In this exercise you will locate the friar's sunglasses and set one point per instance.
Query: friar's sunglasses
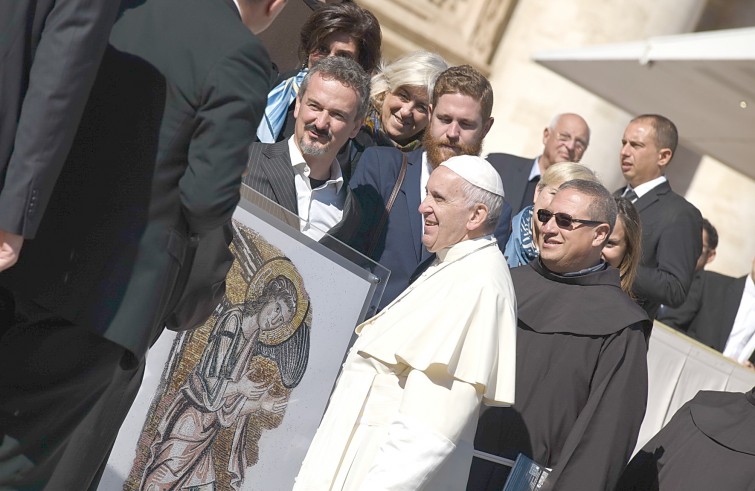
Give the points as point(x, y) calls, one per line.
point(563, 220)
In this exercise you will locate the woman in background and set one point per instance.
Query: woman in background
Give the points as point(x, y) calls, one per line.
point(400, 112)
point(339, 29)
point(622, 251)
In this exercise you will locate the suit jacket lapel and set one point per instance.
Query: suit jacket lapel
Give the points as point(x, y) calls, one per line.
point(410, 189)
point(230, 4)
point(647, 199)
point(520, 182)
point(280, 175)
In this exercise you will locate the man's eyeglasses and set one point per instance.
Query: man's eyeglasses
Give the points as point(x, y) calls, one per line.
point(566, 138)
point(563, 220)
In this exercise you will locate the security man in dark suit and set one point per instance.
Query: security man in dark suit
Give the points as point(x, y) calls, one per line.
point(155, 164)
point(671, 226)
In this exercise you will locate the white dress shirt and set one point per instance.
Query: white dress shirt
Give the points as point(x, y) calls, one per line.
point(321, 208)
point(741, 342)
point(535, 170)
point(645, 187)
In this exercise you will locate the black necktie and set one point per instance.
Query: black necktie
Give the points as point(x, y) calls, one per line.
point(630, 194)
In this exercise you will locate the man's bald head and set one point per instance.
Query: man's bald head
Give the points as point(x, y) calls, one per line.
point(564, 140)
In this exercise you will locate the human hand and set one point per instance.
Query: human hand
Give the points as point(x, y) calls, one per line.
point(748, 364)
point(250, 389)
point(10, 248)
point(275, 405)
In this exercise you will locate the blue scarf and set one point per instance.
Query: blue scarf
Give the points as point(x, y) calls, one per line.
point(521, 248)
point(278, 101)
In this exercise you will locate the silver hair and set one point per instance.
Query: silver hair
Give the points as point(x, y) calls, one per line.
point(415, 69)
point(346, 71)
point(474, 195)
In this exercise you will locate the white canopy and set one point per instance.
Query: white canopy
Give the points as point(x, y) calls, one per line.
point(704, 82)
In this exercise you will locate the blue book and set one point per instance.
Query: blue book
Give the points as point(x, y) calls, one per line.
point(526, 475)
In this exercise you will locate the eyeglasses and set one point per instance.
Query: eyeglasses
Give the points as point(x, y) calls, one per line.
point(566, 138)
point(563, 220)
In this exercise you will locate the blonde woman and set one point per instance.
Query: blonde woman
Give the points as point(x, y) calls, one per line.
point(400, 109)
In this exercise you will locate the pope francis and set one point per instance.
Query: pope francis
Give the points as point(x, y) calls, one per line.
point(404, 411)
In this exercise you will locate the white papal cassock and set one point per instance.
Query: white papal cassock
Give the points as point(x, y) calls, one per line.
point(405, 408)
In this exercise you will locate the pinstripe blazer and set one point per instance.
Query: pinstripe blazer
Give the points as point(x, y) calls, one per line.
point(270, 173)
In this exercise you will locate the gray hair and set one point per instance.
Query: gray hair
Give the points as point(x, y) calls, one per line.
point(602, 208)
point(474, 195)
point(346, 71)
point(415, 69)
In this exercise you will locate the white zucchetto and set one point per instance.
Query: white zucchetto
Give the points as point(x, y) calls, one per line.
point(477, 171)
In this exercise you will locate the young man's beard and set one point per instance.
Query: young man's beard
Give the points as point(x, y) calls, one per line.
point(438, 152)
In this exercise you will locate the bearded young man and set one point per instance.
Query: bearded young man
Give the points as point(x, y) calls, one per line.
point(460, 118)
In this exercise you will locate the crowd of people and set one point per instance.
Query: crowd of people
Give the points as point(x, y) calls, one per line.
point(522, 292)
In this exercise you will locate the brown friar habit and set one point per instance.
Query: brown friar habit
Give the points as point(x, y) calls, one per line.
point(709, 444)
point(581, 382)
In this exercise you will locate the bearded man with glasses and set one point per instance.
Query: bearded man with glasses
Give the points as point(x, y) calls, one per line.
point(581, 355)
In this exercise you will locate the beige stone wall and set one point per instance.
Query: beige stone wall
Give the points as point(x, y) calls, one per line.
point(727, 198)
point(463, 31)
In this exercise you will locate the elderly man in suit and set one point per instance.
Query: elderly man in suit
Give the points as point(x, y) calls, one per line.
point(671, 226)
point(156, 163)
point(391, 184)
point(565, 139)
point(301, 173)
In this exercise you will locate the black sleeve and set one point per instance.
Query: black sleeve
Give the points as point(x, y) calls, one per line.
point(66, 60)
